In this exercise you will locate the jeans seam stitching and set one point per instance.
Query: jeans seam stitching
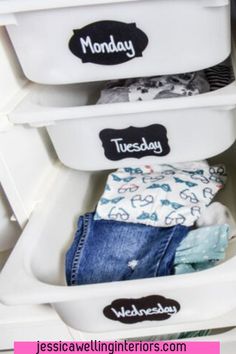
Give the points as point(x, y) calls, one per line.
point(164, 252)
point(76, 258)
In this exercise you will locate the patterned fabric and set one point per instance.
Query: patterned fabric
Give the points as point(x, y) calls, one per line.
point(168, 86)
point(160, 195)
point(150, 88)
point(220, 75)
point(201, 249)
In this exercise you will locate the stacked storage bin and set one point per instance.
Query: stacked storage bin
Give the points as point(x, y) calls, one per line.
point(26, 163)
point(67, 48)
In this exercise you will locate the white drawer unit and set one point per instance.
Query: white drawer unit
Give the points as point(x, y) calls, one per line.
point(30, 323)
point(68, 48)
point(59, 42)
point(26, 161)
point(38, 259)
point(26, 156)
point(95, 137)
point(9, 228)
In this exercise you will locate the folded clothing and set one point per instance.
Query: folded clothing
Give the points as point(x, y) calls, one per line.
point(113, 94)
point(201, 249)
point(160, 195)
point(220, 75)
point(217, 214)
point(107, 251)
point(168, 86)
point(151, 88)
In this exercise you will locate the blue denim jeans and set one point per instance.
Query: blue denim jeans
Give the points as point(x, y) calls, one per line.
point(107, 251)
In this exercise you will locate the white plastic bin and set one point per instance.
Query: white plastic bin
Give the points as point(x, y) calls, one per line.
point(37, 267)
point(94, 137)
point(9, 228)
point(115, 38)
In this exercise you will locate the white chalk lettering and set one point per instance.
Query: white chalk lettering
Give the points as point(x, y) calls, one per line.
point(122, 147)
point(111, 47)
point(134, 311)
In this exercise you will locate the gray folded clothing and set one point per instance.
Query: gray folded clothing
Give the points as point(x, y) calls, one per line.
point(114, 95)
point(167, 86)
point(144, 89)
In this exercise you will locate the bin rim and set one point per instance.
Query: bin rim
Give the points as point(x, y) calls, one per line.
point(15, 6)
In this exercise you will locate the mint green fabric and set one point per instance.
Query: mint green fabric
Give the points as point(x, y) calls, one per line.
point(201, 249)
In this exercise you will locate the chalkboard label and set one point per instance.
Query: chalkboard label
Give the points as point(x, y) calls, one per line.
point(135, 142)
point(108, 42)
point(150, 308)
